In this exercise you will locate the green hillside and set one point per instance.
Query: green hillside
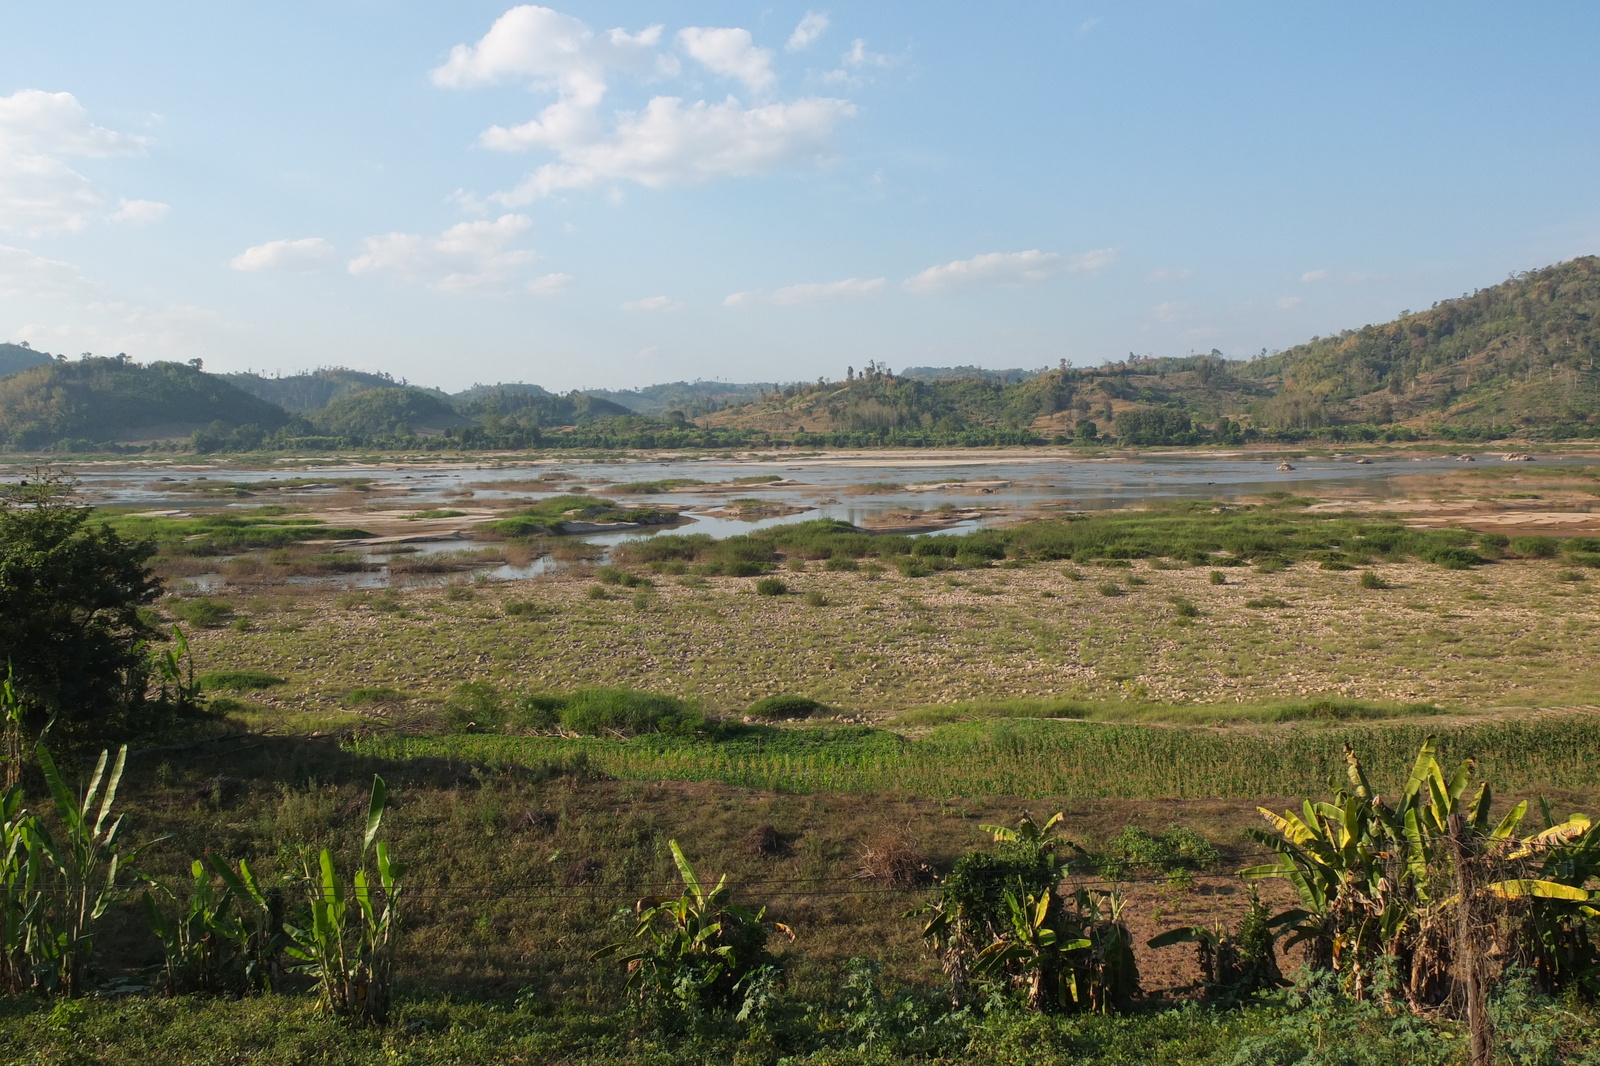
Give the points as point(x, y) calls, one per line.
point(521, 407)
point(311, 391)
point(100, 400)
point(693, 398)
point(1518, 356)
point(388, 412)
point(18, 357)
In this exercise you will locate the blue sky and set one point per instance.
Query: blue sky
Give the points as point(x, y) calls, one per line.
point(613, 194)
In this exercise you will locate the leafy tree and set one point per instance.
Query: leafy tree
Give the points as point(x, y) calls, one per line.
point(71, 628)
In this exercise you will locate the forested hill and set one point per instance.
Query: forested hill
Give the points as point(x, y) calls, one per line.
point(312, 390)
point(94, 400)
point(1522, 354)
point(18, 357)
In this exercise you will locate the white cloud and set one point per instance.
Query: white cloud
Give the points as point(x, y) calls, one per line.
point(466, 257)
point(1288, 303)
point(39, 192)
point(806, 33)
point(24, 274)
point(652, 303)
point(859, 57)
point(139, 212)
point(731, 53)
point(550, 284)
point(1171, 274)
point(307, 253)
point(1007, 268)
point(1088, 25)
point(668, 142)
point(810, 293)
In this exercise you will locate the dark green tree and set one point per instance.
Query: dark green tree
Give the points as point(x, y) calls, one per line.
point(71, 628)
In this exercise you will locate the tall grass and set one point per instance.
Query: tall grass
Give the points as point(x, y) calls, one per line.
point(1034, 758)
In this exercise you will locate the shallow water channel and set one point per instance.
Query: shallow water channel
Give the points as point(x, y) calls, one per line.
point(857, 489)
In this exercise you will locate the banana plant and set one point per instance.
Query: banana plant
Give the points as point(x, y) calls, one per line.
point(1555, 907)
point(1034, 950)
point(88, 865)
point(22, 896)
point(694, 950)
point(349, 938)
point(201, 942)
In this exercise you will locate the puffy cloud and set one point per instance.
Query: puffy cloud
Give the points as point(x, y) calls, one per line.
point(550, 284)
point(467, 256)
point(39, 192)
point(810, 293)
point(547, 48)
point(652, 303)
point(859, 57)
point(140, 211)
point(1007, 268)
point(672, 144)
point(731, 53)
point(307, 253)
point(668, 142)
point(806, 33)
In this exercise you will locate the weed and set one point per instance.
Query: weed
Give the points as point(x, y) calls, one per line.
point(1371, 579)
point(771, 586)
point(1217, 577)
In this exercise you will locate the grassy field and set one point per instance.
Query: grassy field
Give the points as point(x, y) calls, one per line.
point(1518, 633)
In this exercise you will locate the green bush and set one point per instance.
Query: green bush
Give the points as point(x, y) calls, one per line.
point(1218, 578)
point(786, 707)
point(475, 706)
point(1493, 544)
point(236, 681)
point(1536, 547)
point(1109, 588)
point(813, 598)
point(1178, 848)
point(201, 611)
point(1262, 603)
point(771, 586)
point(369, 694)
point(840, 562)
point(597, 711)
point(1371, 580)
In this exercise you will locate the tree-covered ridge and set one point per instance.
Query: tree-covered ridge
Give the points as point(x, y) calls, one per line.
point(94, 400)
point(388, 412)
point(530, 407)
point(693, 398)
point(313, 390)
point(18, 357)
point(1522, 353)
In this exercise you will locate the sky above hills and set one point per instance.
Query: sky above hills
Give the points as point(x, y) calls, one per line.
point(611, 194)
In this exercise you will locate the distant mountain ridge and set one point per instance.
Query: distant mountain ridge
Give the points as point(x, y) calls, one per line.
point(1519, 357)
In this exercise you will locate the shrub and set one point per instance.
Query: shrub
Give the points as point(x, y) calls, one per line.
point(597, 711)
point(813, 598)
point(200, 611)
point(1589, 559)
point(1570, 575)
point(786, 707)
point(841, 562)
point(369, 694)
point(1110, 588)
point(236, 680)
point(771, 586)
point(1371, 580)
point(1451, 558)
point(1536, 547)
point(1178, 848)
point(597, 592)
point(1218, 578)
point(475, 706)
point(1262, 603)
point(1493, 544)
point(1184, 609)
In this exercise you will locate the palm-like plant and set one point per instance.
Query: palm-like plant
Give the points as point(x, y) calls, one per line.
point(696, 949)
point(349, 937)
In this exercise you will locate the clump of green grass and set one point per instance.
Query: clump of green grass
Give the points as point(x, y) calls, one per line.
point(369, 695)
point(1536, 547)
point(437, 512)
point(814, 598)
point(1265, 603)
point(1111, 588)
point(771, 586)
point(786, 708)
point(1569, 575)
point(1371, 579)
point(236, 680)
point(202, 611)
point(1137, 850)
point(1184, 608)
point(1217, 577)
